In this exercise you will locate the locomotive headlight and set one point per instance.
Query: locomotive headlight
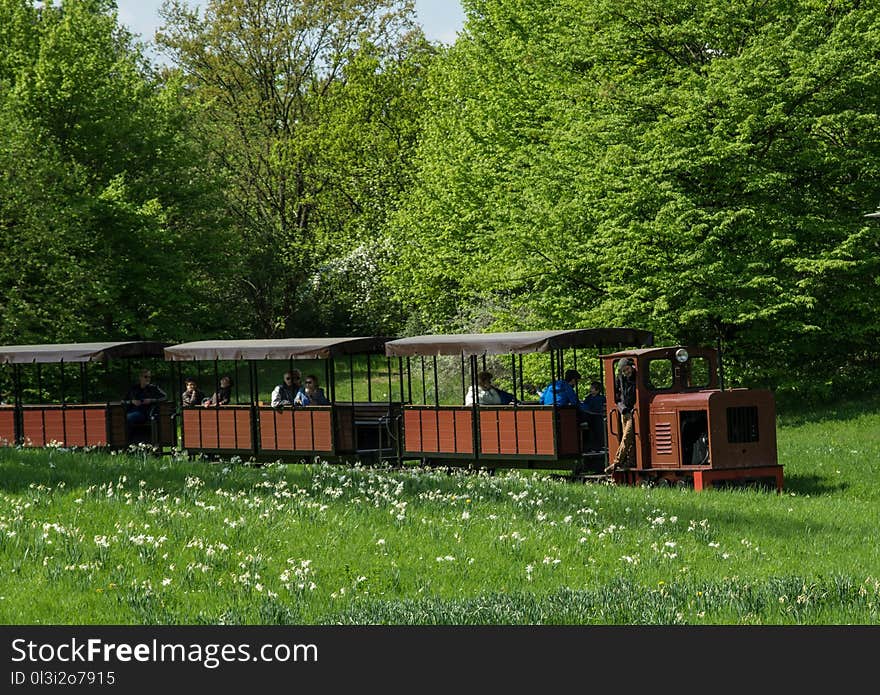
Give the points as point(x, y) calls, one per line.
point(681, 355)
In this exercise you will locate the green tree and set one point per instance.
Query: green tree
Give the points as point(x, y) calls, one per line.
point(757, 138)
point(106, 227)
point(697, 169)
point(309, 109)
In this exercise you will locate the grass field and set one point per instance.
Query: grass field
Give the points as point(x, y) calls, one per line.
point(89, 538)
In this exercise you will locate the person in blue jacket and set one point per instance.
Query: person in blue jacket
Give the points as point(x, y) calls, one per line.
point(563, 390)
point(311, 393)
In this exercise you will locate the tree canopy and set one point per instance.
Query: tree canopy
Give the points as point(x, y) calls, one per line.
point(698, 169)
point(309, 110)
point(99, 182)
point(314, 167)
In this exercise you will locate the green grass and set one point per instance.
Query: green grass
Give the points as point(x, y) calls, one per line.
point(90, 538)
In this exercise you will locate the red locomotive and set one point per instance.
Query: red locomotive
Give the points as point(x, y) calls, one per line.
point(687, 428)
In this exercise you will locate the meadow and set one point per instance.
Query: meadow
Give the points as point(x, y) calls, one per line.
point(95, 538)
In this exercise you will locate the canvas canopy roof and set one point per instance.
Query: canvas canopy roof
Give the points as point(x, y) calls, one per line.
point(658, 350)
point(275, 349)
point(667, 351)
point(78, 352)
point(517, 343)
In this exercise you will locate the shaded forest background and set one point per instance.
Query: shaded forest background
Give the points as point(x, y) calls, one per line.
point(700, 169)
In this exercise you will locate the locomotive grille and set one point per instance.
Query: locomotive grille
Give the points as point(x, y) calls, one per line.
point(742, 424)
point(663, 438)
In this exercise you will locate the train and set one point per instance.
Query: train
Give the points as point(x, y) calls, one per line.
point(401, 401)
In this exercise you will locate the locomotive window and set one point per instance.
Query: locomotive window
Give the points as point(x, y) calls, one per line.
point(742, 424)
point(659, 375)
point(699, 372)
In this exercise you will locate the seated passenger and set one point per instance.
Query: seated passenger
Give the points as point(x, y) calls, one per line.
point(507, 398)
point(222, 395)
point(286, 391)
point(487, 394)
point(311, 393)
point(141, 401)
point(594, 404)
point(192, 396)
point(594, 401)
point(562, 392)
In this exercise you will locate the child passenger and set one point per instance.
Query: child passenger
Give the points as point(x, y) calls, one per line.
point(192, 396)
point(222, 395)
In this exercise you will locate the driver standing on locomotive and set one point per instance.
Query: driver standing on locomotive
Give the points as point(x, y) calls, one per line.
point(625, 398)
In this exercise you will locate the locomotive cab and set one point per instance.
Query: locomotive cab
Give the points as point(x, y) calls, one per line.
point(686, 426)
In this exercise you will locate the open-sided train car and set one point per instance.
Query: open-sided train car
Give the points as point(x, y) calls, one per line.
point(364, 429)
point(520, 435)
point(76, 419)
point(687, 428)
